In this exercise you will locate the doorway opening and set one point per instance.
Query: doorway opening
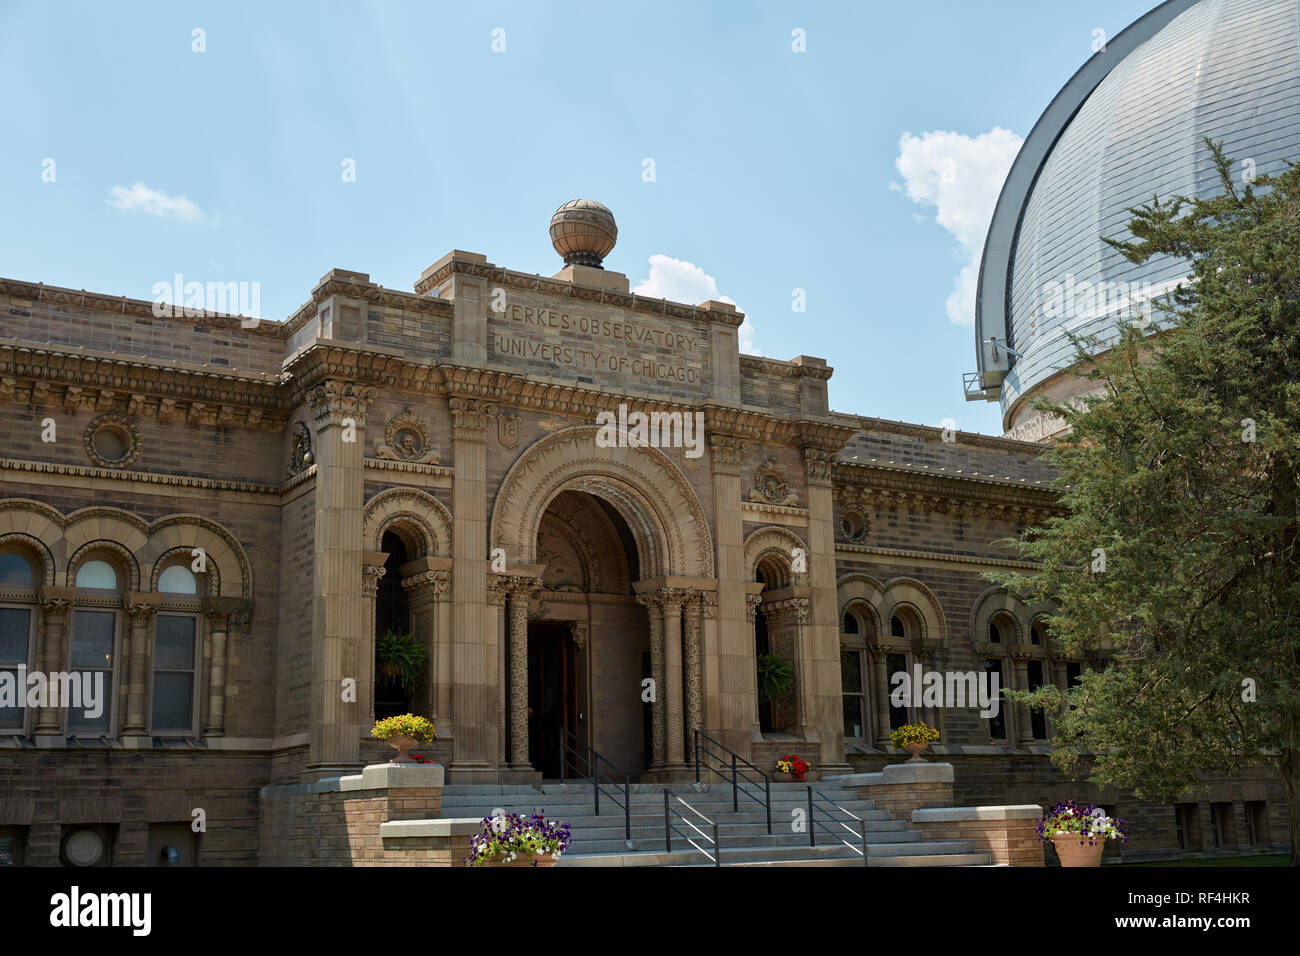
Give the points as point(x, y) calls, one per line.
point(552, 694)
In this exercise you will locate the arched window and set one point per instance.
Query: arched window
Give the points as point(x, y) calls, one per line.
point(99, 575)
point(173, 700)
point(178, 579)
point(18, 578)
point(854, 685)
point(94, 644)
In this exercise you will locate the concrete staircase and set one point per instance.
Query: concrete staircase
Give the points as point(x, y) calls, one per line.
point(600, 840)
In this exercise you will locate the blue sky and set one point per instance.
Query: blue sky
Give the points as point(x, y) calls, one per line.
point(861, 171)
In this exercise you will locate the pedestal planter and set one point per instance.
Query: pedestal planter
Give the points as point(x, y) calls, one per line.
point(1070, 853)
point(915, 751)
point(402, 744)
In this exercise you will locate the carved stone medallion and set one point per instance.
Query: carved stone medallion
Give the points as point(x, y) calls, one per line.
point(772, 485)
point(508, 429)
point(407, 438)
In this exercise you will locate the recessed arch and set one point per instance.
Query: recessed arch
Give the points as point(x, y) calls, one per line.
point(118, 556)
point(221, 548)
point(773, 547)
point(663, 513)
point(35, 551)
point(422, 522)
point(912, 594)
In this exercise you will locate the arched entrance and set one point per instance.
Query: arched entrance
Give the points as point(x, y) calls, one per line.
point(617, 547)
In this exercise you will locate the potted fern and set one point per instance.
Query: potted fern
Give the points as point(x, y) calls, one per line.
point(400, 658)
point(775, 677)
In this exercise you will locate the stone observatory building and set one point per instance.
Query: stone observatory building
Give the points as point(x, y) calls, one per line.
point(1128, 125)
point(595, 519)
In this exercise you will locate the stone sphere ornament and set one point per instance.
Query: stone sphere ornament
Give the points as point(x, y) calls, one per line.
point(583, 232)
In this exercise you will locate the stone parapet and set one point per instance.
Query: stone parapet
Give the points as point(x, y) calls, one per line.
point(1008, 834)
point(902, 788)
point(337, 821)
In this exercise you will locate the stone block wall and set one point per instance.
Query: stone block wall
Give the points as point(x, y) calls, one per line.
point(1008, 834)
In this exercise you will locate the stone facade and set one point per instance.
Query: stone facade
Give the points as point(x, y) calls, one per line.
point(236, 508)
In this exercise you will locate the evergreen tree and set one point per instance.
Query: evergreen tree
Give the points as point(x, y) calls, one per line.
point(1176, 560)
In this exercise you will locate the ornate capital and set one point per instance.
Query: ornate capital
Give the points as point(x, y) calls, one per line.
point(789, 611)
point(56, 610)
point(498, 589)
point(580, 631)
point(820, 465)
point(220, 619)
point(435, 583)
point(139, 611)
point(334, 401)
point(728, 452)
point(471, 417)
point(370, 575)
point(752, 601)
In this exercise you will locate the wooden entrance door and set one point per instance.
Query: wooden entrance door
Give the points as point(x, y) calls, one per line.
point(552, 693)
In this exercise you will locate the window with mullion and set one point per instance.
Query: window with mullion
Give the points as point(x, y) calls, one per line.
point(174, 656)
point(92, 650)
point(853, 681)
point(15, 651)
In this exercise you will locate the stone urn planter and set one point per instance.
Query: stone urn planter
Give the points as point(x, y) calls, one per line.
point(402, 744)
point(916, 749)
point(1070, 853)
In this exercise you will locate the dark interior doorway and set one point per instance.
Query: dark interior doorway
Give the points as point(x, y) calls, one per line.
point(552, 693)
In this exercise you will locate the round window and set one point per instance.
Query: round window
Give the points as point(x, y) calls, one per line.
point(83, 848)
point(111, 443)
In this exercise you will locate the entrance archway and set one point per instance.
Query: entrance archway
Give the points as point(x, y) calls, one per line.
point(614, 530)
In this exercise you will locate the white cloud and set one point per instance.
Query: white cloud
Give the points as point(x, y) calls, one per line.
point(961, 178)
point(154, 202)
point(680, 281)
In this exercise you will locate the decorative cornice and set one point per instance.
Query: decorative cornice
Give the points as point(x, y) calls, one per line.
point(876, 485)
point(905, 554)
point(148, 388)
point(409, 467)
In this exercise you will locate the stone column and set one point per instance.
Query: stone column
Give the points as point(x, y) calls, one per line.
point(651, 602)
point(519, 595)
point(671, 609)
point(218, 631)
point(498, 595)
point(372, 572)
point(56, 605)
point(474, 711)
point(737, 690)
point(1024, 728)
point(426, 589)
point(694, 683)
point(338, 608)
point(140, 611)
point(880, 697)
point(821, 634)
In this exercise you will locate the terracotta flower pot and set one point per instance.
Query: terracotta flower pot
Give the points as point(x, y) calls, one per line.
point(1071, 853)
point(915, 750)
point(402, 744)
point(524, 859)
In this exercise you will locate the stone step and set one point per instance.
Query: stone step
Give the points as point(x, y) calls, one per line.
point(935, 854)
point(876, 820)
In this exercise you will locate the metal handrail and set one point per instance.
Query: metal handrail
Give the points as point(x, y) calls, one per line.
point(814, 823)
point(594, 774)
point(737, 775)
point(669, 829)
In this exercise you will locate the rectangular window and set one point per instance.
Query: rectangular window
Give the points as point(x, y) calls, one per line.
point(1221, 819)
point(1257, 822)
point(173, 673)
point(1187, 820)
point(894, 664)
point(1073, 671)
point(91, 657)
point(997, 723)
point(15, 634)
point(855, 725)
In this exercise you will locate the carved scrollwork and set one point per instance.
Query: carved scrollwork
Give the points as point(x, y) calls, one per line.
point(772, 485)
